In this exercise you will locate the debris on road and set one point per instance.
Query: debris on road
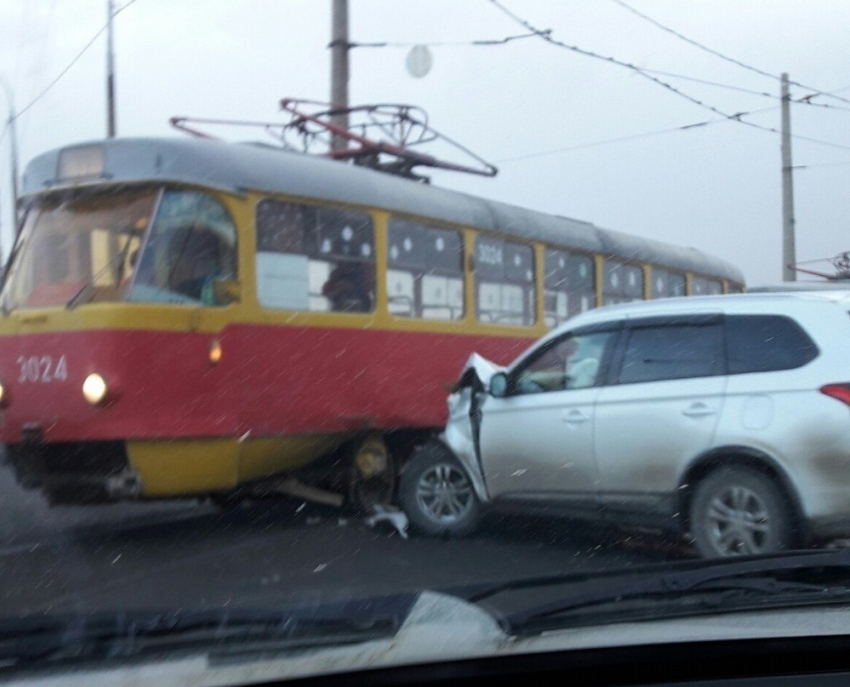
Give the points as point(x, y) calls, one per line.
point(393, 516)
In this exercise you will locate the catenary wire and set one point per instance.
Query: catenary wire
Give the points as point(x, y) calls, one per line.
point(738, 116)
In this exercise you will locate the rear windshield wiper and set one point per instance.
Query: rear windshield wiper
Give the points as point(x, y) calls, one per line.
point(664, 591)
point(47, 641)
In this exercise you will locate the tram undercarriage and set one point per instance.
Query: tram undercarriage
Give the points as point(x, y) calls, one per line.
point(358, 474)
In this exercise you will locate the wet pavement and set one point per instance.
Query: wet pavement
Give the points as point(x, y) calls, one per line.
point(194, 555)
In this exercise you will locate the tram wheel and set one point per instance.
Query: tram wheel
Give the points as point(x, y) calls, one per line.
point(373, 476)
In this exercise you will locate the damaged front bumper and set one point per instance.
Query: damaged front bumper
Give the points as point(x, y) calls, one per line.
point(463, 428)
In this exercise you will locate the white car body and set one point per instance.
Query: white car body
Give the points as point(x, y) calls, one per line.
point(635, 452)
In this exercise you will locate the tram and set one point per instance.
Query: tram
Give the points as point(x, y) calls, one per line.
point(193, 318)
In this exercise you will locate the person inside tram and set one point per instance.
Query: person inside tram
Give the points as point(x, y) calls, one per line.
point(347, 288)
point(195, 251)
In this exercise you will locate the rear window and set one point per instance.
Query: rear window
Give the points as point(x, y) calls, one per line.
point(766, 343)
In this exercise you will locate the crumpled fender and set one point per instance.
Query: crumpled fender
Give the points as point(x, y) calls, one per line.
point(461, 433)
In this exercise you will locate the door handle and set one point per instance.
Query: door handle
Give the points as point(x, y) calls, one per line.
point(698, 410)
point(574, 417)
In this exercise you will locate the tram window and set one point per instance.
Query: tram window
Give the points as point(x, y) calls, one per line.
point(569, 285)
point(425, 271)
point(314, 258)
point(622, 283)
point(191, 244)
point(667, 284)
point(75, 247)
point(700, 286)
point(504, 282)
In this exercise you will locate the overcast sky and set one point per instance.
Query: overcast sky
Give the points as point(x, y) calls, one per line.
point(532, 108)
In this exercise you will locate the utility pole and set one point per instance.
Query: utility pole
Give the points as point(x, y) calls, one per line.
point(110, 75)
point(789, 250)
point(13, 153)
point(339, 69)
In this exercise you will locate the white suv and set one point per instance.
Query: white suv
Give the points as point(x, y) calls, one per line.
point(726, 417)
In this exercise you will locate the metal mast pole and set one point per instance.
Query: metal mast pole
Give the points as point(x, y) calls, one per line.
point(13, 152)
point(110, 75)
point(339, 69)
point(789, 250)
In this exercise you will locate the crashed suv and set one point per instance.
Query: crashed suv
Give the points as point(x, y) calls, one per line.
point(723, 418)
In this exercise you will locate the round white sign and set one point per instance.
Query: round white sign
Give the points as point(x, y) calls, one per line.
point(419, 61)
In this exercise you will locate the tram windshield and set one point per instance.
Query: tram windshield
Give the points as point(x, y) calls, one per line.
point(142, 245)
point(72, 244)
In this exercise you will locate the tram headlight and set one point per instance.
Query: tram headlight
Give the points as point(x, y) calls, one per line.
point(2, 393)
point(95, 389)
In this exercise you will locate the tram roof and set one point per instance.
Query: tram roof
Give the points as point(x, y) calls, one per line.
point(239, 168)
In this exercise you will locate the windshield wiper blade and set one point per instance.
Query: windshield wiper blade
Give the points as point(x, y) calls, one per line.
point(73, 638)
point(119, 257)
point(669, 590)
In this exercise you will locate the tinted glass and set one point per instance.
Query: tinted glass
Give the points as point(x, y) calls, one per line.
point(765, 343)
point(314, 258)
point(672, 352)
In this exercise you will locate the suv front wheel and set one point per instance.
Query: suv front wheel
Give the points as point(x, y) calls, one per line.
point(738, 511)
point(437, 495)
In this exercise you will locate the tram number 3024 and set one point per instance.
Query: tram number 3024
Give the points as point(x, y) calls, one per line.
point(42, 369)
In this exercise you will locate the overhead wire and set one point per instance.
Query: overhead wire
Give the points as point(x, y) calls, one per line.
point(826, 106)
point(805, 100)
point(607, 141)
point(716, 53)
point(71, 63)
point(822, 164)
point(763, 94)
point(441, 44)
point(737, 116)
point(508, 39)
point(621, 139)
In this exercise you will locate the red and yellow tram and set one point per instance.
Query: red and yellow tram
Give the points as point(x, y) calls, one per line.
point(190, 317)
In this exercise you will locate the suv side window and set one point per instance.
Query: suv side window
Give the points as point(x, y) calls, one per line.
point(672, 352)
point(571, 362)
point(766, 343)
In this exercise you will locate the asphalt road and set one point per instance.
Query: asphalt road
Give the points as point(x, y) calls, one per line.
point(193, 555)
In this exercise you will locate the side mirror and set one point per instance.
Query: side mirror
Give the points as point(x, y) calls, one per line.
point(499, 385)
point(226, 291)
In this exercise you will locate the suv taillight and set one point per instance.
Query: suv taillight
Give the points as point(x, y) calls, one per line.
point(840, 392)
